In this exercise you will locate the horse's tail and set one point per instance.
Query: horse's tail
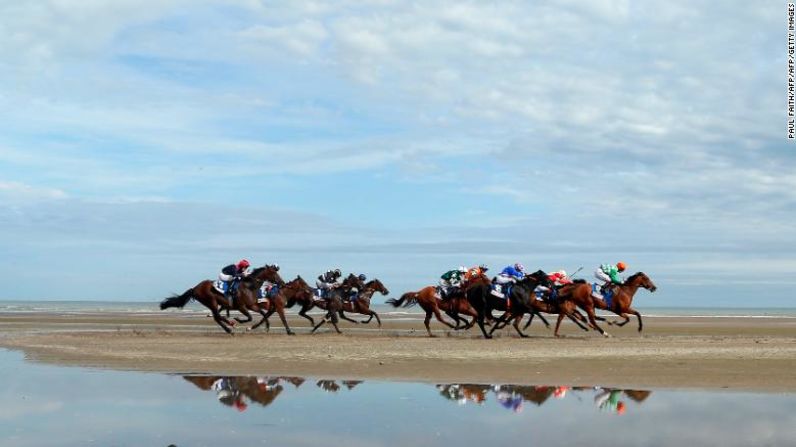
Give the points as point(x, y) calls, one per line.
point(177, 301)
point(407, 299)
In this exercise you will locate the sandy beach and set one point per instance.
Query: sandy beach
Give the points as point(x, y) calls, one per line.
point(741, 353)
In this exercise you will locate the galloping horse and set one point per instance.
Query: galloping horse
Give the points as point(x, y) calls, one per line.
point(581, 294)
point(429, 301)
point(287, 293)
point(334, 303)
point(208, 296)
point(522, 300)
point(361, 305)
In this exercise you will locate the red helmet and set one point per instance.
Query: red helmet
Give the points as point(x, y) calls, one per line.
point(621, 266)
point(620, 408)
point(242, 264)
point(240, 405)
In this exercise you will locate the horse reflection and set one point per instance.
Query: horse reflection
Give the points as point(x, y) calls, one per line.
point(513, 397)
point(236, 391)
point(333, 387)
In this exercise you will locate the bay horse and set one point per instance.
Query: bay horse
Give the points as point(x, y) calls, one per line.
point(432, 303)
point(289, 292)
point(334, 303)
point(361, 304)
point(522, 300)
point(581, 294)
point(207, 295)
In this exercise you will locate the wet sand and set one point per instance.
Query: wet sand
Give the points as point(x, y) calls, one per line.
point(740, 353)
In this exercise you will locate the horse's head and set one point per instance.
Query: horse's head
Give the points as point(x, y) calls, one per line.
point(269, 273)
point(377, 286)
point(640, 279)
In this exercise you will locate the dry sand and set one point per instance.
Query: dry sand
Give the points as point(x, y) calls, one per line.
point(673, 352)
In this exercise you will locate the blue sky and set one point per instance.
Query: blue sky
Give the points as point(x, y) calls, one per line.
point(146, 144)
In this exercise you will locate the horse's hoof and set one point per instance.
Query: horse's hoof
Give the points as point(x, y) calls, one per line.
point(291, 333)
point(248, 329)
point(606, 335)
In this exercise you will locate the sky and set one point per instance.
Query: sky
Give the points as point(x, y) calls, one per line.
point(144, 145)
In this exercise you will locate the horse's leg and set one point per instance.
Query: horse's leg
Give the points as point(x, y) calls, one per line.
point(638, 315)
point(455, 318)
point(426, 322)
point(439, 317)
point(516, 325)
point(544, 320)
point(333, 314)
point(220, 320)
point(622, 323)
point(264, 320)
point(280, 309)
point(558, 324)
point(497, 325)
point(344, 317)
point(242, 309)
point(303, 312)
point(580, 325)
point(590, 314)
point(530, 320)
point(323, 320)
point(481, 316)
point(372, 314)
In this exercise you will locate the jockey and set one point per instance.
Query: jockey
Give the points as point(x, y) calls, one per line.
point(232, 274)
point(328, 281)
point(354, 294)
point(451, 280)
point(608, 274)
point(558, 279)
point(510, 275)
point(475, 272)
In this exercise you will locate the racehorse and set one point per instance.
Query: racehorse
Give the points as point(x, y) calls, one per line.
point(429, 301)
point(362, 303)
point(522, 300)
point(581, 294)
point(207, 295)
point(289, 292)
point(334, 302)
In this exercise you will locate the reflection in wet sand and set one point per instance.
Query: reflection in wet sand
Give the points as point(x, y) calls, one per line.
point(239, 391)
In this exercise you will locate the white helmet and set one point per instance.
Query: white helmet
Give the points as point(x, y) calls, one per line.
point(463, 269)
point(562, 272)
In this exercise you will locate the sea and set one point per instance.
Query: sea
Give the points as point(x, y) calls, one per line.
point(151, 307)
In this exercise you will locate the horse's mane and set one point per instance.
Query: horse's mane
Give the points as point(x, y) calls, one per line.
point(634, 276)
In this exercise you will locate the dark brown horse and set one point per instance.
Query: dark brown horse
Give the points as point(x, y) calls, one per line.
point(208, 296)
point(581, 294)
point(361, 304)
point(430, 301)
point(522, 300)
point(334, 303)
point(291, 291)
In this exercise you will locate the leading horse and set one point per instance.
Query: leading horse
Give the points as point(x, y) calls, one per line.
point(581, 294)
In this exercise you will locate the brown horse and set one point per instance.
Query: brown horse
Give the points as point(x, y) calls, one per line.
point(361, 304)
point(430, 301)
point(581, 294)
point(334, 303)
point(290, 292)
point(208, 296)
